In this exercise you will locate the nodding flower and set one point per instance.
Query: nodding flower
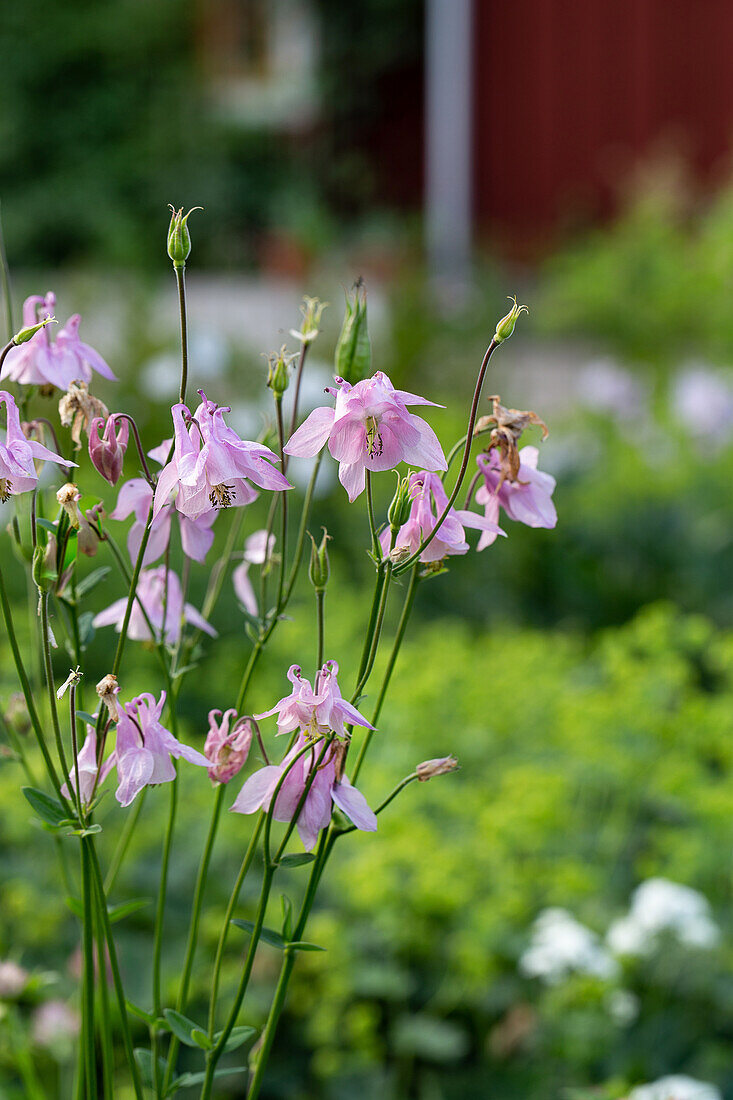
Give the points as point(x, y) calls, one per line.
point(196, 535)
point(160, 594)
point(315, 711)
point(527, 500)
point(227, 744)
point(211, 467)
point(370, 428)
point(17, 472)
point(42, 361)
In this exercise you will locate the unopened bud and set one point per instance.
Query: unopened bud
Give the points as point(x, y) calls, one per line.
point(440, 766)
point(227, 749)
point(108, 451)
point(278, 377)
point(68, 497)
point(353, 351)
point(108, 689)
point(179, 239)
point(399, 510)
point(30, 331)
point(319, 569)
point(506, 325)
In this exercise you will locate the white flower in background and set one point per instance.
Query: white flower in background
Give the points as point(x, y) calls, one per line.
point(605, 387)
point(623, 1006)
point(54, 1024)
point(13, 979)
point(677, 1087)
point(702, 399)
point(659, 905)
point(562, 945)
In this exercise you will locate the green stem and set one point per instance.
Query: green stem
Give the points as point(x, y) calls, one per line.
point(124, 842)
point(320, 597)
point(377, 631)
point(112, 952)
point(284, 503)
point(105, 1031)
point(298, 556)
point(181, 282)
point(90, 1064)
point(376, 548)
point(46, 640)
point(198, 898)
point(158, 934)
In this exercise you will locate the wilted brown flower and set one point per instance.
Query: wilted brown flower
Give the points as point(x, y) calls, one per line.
point(78, 408)
point(507, 426)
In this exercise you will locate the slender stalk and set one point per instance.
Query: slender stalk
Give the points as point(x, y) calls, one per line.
point(105, 1031)
point(46, 640)
point(90, 1066)
point(112, 952)
point(404, 566)
point(385, 802)
point(124, 842)
point(198, 898)
point(181, 282)
point(296, 392)
point(138, 444)
point(283, 502)
point(320, 597)
point(376, 549)
point(158, 934)
point(300, 543)
point(376, 634)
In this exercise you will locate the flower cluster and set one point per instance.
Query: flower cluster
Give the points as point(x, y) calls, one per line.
point(42, 361)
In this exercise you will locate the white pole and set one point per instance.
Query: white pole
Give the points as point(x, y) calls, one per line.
point(448, 139)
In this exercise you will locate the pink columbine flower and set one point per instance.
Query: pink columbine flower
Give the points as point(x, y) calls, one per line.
point(90, 773)
point(315, 712)
point(42, 361)
point(429, 500)
point(227, 748)
point(17, 472)
point(211, 466)
point(145, 749)
point(257, 551)
point(152, 594)
point(134, 499)
point(107, 453)
point(369, 429)
point(527, 500)
point(325, 790)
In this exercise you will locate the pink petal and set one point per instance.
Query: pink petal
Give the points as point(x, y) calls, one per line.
point(257, 790)
point(353, 479)
point(310, 437)
point(354, 805)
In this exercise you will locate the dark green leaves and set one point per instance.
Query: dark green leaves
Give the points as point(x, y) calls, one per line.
point(49, 809)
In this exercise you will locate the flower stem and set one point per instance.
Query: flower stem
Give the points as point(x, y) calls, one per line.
point(105, 1035)
point(158, 933)
point(283, 502)
point(46, 641)
point(124, 842)
point(90, 1067)
point(181, 281)
point(376, 549)
point(320, 597)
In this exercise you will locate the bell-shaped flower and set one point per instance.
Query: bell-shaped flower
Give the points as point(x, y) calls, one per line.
point(108, 451)
point(257, 551)
point(315, 711)
point(134, 499)
point(17, 472)
point(211, 467)
point(159, 593)
point(429, 500)
point(145, 749)
point(227, 744)
point(325, 791)
point(369, 429)
point(43, 362)
point(527, 500)
point(91, 771)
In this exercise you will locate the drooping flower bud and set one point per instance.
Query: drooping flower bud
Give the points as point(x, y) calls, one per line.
point(27, 333)
point(399, 510)
point(353, 357)
point(108, 689)
point(227, 749)
point(179, 238)
point(312, 308)
point(439, 766)
point(108, 451)
point(319, 568)
point(506, 325)
point(278, 364)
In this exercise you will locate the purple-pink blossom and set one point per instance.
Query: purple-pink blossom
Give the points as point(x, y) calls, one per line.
point(527, 500)
point(91, 772)
point(107, 451)
point(325, 790)
point(211, 467)
point(134, 499)
point(370, 428)
point(145, 748)
point(257, 551)
point(227, 744)
point(17, 472)
point(43, 361)
point(160, 594)
point(429, 500)
point(315, 711)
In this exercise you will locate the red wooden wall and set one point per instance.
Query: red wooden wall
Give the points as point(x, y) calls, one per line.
point(570, 94)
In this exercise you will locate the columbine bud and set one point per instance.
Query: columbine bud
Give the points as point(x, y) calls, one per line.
point(399, 510)
point(179, 239)
point(227, 750)
point(108, 452)
point(108, 689)
point(30, 331)
point(319, 569)
point(312, 308)
point(353, 351)
point(68, 497)
point(506, 325)
point(277, 375)
point(440, 766)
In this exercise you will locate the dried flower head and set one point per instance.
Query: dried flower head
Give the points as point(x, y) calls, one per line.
point(108, 689)
point(68, 497)
point(439, 766)
point(78, 407)
point(507, 426)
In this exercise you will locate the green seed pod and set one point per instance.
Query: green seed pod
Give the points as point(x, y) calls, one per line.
point(179, 239)
point(506, 325)
point(353, 357)
point(319, 569)
point(399, 510)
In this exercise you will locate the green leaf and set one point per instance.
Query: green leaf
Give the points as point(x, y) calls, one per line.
point(48, 809)
point(237, 1037)
point(85, 716)
point(90, 830)
point(91, 582)
point(144, 1059)
point(119, 912)
point(186, 1080)
point(303, 945)
point(186, 1030)
point(46, 525)
point(269, 935)
point(75, 906)
point(141, 1014)
point(86, 628)
point(297, 859)
point(287, 910)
